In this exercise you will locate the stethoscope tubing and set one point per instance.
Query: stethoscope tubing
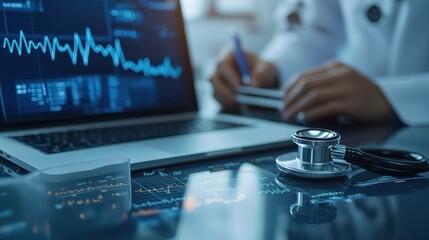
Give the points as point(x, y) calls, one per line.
point(387, 161)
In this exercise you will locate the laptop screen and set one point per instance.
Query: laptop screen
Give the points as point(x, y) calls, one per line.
point(92, 59)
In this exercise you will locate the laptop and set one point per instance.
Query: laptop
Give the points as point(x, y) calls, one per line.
point(83, 80)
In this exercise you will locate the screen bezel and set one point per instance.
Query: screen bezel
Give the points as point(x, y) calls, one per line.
point(192, 105)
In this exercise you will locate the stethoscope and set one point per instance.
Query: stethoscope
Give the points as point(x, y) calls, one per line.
point(320, 156)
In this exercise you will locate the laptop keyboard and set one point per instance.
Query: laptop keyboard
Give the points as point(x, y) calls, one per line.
point(59, 142)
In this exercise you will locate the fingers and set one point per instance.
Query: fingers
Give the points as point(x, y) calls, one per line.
point(226, 69)
point(323, 111)
point(312, 100)
point(324, 86)
point(223, 93)
point(332, 91)
point(227, 77)
point(295, 80)
point(264, 75)
point(313, 83)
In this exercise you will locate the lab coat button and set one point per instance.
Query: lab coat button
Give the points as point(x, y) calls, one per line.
point(293, 18)
point(374, 14)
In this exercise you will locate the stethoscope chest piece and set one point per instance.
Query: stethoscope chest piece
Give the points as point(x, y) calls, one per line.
point(314, 158)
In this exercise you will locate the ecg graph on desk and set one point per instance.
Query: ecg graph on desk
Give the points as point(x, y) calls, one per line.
point(49, 42)
point(227, 183)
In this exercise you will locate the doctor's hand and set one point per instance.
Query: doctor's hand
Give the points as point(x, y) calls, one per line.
point(334, 90)
point(227, 77)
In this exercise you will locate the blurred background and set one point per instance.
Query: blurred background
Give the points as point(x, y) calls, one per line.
point(208, 24)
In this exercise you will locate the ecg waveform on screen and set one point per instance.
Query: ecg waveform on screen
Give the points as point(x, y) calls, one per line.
point(85, 48)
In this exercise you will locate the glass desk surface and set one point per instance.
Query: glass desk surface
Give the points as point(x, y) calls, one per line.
point(245, 197)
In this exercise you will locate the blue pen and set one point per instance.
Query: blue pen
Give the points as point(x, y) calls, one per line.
point(240, 58)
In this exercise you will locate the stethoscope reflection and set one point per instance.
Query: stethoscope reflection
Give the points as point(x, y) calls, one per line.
point(316, 201)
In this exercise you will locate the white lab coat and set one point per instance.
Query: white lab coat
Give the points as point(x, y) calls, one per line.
point(393, 52)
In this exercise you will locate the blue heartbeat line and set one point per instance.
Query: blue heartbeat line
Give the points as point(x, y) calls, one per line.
point(84, 49)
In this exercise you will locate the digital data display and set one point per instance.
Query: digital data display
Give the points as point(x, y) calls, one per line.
point(80, 58)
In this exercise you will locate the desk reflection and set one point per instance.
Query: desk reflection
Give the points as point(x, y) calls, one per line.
point(243, 200)
point(245, 197)
point(66, 202)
